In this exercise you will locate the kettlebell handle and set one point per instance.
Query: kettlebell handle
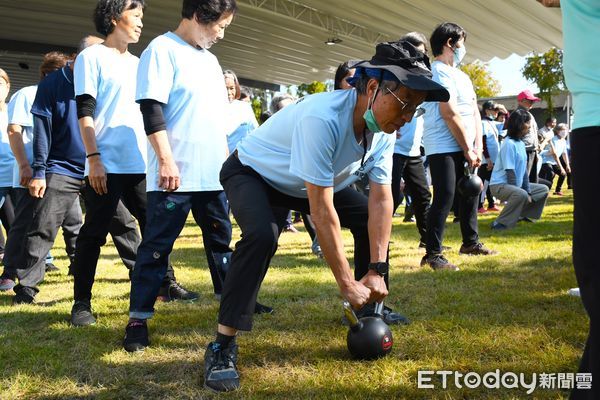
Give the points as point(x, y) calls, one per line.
point(379, 309)
point(468, 171)
point(350, 315)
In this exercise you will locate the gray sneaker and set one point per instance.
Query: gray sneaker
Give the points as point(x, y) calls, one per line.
point(438, 262)
point(81, 314)
point(7, 284)
point(316, 248)
point(220, 373)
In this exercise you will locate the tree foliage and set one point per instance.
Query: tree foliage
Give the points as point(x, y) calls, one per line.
point(483, 82)
point(546, 71)
point(310, 88)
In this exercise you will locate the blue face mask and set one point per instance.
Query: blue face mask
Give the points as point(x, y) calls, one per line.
point(459, 54)
point(369, 117)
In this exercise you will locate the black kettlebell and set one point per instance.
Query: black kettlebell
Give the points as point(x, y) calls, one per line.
point(369, 337)
point(469, 185)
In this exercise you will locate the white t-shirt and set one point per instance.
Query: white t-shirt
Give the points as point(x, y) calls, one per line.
point(110, 78)
point(19, 113)
point(189, 83)
point(313, 140)
point(437, 137)
point(7, 160)
point(560, 147)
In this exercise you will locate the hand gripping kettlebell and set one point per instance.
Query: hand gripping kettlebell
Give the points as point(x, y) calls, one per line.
point(369, 337)
point(469, 185)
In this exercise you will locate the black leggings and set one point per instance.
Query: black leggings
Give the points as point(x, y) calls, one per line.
point(446, 169)
point(585, 147)
point(7, 216)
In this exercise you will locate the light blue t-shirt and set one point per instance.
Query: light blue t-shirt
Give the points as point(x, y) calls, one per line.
point(560, 147)
point(437, 137)
point(189, 83)
point(490, 131)
point(109, 77)
point(409, 142)
point(581, 30)
point(512, 156)
point(243, 121)
point(7, 160)
point(313, 140)
point(19, 113)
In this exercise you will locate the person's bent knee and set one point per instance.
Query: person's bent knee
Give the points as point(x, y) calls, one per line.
point(263, 237)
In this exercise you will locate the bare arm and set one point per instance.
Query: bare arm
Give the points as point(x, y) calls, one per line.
point(327, 225)
point(453, 119)
point(380, 220)
point(15, 138)
point(97, 174)
point(550, 3)
point(168, 172)
point(478, 132)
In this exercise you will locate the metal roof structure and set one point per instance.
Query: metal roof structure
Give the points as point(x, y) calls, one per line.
point(283, 41)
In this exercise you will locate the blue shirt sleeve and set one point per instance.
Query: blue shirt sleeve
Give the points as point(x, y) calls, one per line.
point(509, 156)
point(154, 76)
point(42, 140)
point(42, 110)
point(381, 172)
point(86, 73)
point(312, 150)
point(19, 109)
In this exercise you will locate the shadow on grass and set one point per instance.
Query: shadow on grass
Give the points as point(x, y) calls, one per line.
point(525, 296)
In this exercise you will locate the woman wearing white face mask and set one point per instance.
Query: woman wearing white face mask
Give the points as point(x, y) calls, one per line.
point(451, 137)
point(551, 157)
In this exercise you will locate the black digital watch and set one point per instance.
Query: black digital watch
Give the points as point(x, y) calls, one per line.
point(382, 268)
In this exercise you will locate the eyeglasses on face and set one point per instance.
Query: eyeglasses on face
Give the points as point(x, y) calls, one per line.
point(412, 110)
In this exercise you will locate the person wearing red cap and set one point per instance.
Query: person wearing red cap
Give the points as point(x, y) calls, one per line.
point(525, 99)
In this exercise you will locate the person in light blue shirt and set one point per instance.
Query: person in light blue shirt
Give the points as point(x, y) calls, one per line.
point(452, 138)
point(489, 113)
point(182, 96)
point(7, 159)
point(112, 131)
point(305, 157)
point(408, 163)
point(20, 133)
point(554, 156)
point(240, 115)
point(510, 178)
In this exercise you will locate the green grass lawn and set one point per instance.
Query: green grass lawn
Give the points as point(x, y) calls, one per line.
point(508, 312)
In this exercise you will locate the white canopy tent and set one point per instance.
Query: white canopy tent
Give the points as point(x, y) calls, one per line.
point(283, 41)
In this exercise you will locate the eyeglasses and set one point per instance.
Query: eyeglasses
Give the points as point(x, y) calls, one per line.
point(414, 111)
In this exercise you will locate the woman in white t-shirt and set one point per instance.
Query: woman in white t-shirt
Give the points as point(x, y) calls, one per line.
point(113, 135)
point(7, 160)
point(240, 115)
point(451, 137)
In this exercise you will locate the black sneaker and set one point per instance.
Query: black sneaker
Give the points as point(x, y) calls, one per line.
point(51, 267)
point(477, 249)
point(174, 291)
point(390, 317)
point(262, 309)
point(220, 372)
point(22, 298)
point(438, 262)
point(136, 336)
point(81, 314)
